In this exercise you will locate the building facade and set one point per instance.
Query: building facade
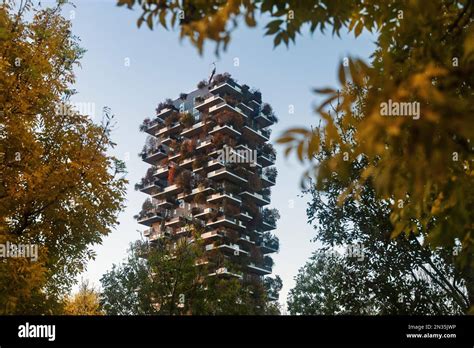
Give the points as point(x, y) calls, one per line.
point(212, 166)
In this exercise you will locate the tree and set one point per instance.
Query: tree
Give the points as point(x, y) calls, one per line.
point(59, 190)
point(84, 302)
point(424, 156)
point(375, 274)
point(164, 279)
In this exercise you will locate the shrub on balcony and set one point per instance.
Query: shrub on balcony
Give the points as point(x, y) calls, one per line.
point(198, 100)
point(202, 84)
point(200, 198)
point(271, 173)
point(168, 103)
point(184, 181)
point(171, 119)
point(221, 78)
point(186, 119)
point(144, 126)
point(183, 96)
point(270, 215)
point(257, 95)
point(231, 100)
point(267, 109)
point(254, 181)
point(268, 149)
point(196, 210)
point(171, 175)
point(187, 148)
point(199, 162)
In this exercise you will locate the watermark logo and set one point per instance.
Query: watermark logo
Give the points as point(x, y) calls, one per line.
point(81, 108)
point(229, 155)
point(12, 250)
point(37, 331)
point(393, 108)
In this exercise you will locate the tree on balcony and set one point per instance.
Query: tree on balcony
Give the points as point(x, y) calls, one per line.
point(202, 84)
point(271, 173)
point(270, 216)
point(144, 126)
point(273, 286)
point(184, 181)
point(200, 161)
point(221, 78)
point(148, 179)
point(186, 119)
point(171, 119)
point(171, 175)
point(168, 103)
point(268, 150)
point(187, 148)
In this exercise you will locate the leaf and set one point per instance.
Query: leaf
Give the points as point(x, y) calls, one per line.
point(358, 28)
point(284, 140)
point(162, 18)
point(326, 90)
point(342, 74)
point(299, 151)
point(149, 21)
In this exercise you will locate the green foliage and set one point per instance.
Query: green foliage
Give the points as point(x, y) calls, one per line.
point(362, 268)
point(164, 279)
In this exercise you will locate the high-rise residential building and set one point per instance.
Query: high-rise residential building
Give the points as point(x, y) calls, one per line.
point(212, 166)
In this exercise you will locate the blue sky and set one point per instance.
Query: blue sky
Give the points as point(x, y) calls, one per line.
point(160, 66)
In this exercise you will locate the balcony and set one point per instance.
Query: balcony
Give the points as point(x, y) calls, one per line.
point(224, 106)
point(269, 244)
point(226, 129)
point(165, 131)
point(256, 134)
point(209, 102)
point(167, 203)
point(148, 186)
point(149, 217)
point(244, 215)
point(175, 221)
point(165, 112)
point(195, 191)
point(187, 162)
point(201, 144)
point(226, 174)
point(227, 88)
point(196, 128)
point(203, 213)
point(224, 271)
point(259, 199)
point(156, 234)
point(212, 234)
point(154, 154)
point(259, 269)
point(162, 171)
point(153, 126)
point(246, 239)
point(168, 191)
point(268, 225)
point(226, 221)
point(217, 197)
point(267, 180)
point(266, 159)
point(264, 120)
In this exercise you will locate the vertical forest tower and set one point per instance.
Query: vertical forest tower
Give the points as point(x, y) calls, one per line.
point(212, 167)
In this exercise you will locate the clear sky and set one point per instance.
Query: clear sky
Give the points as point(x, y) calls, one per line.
point(161, 66)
